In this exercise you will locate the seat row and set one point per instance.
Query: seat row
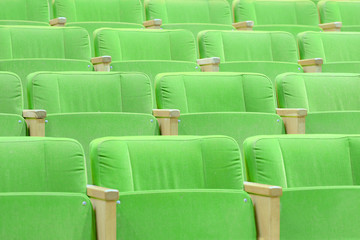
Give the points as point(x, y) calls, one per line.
point(193, 190)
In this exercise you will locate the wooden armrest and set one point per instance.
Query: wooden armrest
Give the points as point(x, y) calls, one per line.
point(331, 27)
point(311, 65)
point(102, 193)
point(209, 64)
point(101, 64)
point(153, 24)
point(294, 119)
point(263, 189)
point(35, 121)
point(34, 113)
point(246, 25)
point(58, 22)
point(168, 120)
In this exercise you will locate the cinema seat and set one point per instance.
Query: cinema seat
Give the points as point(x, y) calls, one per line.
point(341, 11)
point(340, 51)
point(292, 16)
point(43, 193)
point(85, 106)
point(319, 176)
point(269, 53)
point(181, 187)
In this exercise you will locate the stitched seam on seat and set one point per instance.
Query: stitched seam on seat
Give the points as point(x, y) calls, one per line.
point(58, 93)
point(131, 168)
point(186, 101)
point(351, 164)
point(283, 163)
point(204, 164)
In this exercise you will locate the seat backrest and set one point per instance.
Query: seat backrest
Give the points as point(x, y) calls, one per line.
point(139, 44)
point(322, 45)
point(70, 92)
point(319, 92)
point(131, 11)
point(42, 165)
point(267, 12)
point(215, 92)
point(189, 11)
point(25, 10)
point(233, 46)
point(141, 163)
point(303, 160)
point(11, 98)
point(346, 12)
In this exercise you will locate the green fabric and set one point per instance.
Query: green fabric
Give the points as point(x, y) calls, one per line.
point(69, 92)
point(322, 45)
point(294, 30)
point(197, 214)
point(11, 98)
point(303, 160)
point(12, 125)
point(25, 10)
point(42, 216)
point(41, 165)
point(215, 92)
point(346, 12)
point(141, 163)
point(320, 213)
point(20, 22)
point(84, 127)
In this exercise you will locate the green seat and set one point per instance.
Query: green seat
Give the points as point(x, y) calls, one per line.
point(238, 105)
point(24, 12)
point(148, 51)
point(292, 16)
point(29, 49)
point(194, 16)
point(175, 187)
point(85, 106)
point(346, 12)
point(332, 100)
point(339, 51)
point(94, 14)
point(320, 179)
point(269, 53)
point(43, 190)
point(11, 106)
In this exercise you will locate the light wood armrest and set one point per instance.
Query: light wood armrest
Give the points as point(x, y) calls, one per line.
point(331, 27)
point(246, 25)
point(266, 200)
point(153, 24)
point(294, 119)
point(58, 22)
point(101, 64)
point(104, 202)
point(168, 120)
point(35, 121)
point(311, 65)
point(209, 64)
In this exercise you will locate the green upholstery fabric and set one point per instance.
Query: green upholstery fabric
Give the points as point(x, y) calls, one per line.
point(263, 52)
point(194, 16)
point(292, 16)
point(148, 51)
point(36, 216)
point(191, 214)
point(330, 98)
point(24, 12)
point(45, 48)
point(140, 163)
point(233, 104)
point(322, 45)
point(85, 106)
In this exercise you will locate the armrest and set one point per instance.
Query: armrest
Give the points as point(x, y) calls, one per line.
point(246, 25)
point(35, 120)
point(104, 202)
point(168, 120)
point(294, 119)
point(331, 27)
point(209, 64)
point(58, 22)
point(153, 24)
point(311, 65)
point(266, 200)
point(101, 64)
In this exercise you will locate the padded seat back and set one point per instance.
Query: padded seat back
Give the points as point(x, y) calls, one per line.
point(141, 163)
point(304, 160)
point(346, 12)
